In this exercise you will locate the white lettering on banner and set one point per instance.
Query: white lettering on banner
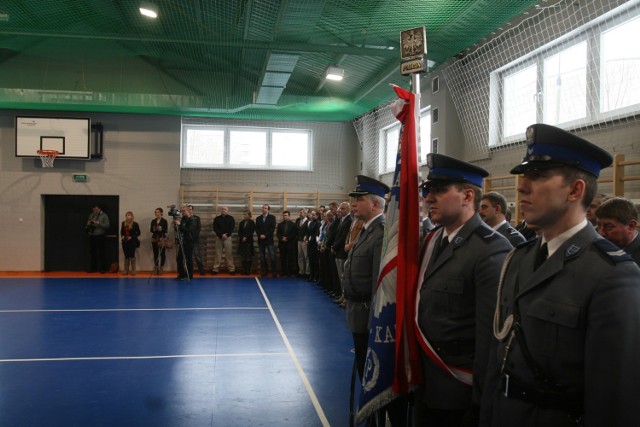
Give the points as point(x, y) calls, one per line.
point(389, 332)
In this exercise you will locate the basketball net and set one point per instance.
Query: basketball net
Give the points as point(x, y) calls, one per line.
point(47, 157)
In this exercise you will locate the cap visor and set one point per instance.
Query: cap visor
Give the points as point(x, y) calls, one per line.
point(358, 193)
point(524, 167)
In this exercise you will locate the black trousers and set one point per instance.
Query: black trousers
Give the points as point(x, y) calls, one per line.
point(288, 262)
point(198, 256)
point(314, 254)
point(97, 261)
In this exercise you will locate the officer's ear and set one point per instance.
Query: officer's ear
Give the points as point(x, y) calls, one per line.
point(576, 190)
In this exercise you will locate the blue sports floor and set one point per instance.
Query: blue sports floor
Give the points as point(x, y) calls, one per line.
point(113, 351)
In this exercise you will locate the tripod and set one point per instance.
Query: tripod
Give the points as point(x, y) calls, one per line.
point(181, 249)
point(157, 261)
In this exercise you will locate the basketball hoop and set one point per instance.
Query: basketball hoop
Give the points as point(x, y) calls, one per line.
point(47, 157)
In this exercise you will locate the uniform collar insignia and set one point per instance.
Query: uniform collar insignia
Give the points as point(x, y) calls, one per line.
point(572, 250)
point(458, 240)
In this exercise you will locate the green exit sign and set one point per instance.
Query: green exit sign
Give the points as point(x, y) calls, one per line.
point(80, 177)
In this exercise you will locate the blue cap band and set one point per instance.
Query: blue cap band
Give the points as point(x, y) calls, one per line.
point(371, 189)
point(552, 152)
point(455, 175)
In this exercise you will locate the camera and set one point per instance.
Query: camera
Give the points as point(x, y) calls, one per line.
point(174, 212)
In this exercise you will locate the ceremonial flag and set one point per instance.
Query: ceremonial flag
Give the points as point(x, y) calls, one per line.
point(393, 362)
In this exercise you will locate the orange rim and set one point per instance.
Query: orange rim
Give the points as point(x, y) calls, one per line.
point(48, 153)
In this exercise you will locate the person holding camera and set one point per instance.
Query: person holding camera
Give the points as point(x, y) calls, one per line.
point(97, 226)
point(186, 229)
point(129, 232)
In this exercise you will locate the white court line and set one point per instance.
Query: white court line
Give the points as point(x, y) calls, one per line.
point(303, 376)
point(172, 356)
point(131, 309)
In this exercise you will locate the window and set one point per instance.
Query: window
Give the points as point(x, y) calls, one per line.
point(620, 67)
point(389, 148)
point(390, 136)
point(425, 136)
point(290, 149)
point(204, 146)
point(435, 85)
point(565, 85)
point(519, 101)
point(585, 78)
point(245, 148)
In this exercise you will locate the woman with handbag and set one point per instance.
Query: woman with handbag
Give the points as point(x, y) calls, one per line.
point(159, 229)
point(129, 232)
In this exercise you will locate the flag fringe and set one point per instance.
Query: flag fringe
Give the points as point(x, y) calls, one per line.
point(380, 401)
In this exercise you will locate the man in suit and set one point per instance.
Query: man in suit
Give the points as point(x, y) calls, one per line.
point(302, 227)
point(287, 241)
point(618, 222)
point(493, 208)
point(363, 263)
point(186, 227)
point(265, 226)
point(337, 247)
point(459, 272)
point(196, 241)
point(566, 328)
point(223, 226)
point(97, 227)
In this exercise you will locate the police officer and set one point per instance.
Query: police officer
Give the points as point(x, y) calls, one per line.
point(363, 263)
point(568, 320)
point(459, 271)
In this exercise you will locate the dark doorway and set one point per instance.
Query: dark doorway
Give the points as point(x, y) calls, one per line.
point(66, 246)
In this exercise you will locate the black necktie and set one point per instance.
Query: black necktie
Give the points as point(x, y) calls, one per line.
point(440, 248)
point(541, 256)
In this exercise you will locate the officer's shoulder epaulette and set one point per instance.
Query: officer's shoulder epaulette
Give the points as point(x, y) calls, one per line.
point(487, 233)
point(532, 241)
point(614, 253)
point(512, 231)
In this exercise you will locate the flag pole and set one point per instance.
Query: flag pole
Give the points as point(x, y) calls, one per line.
point(415, 85)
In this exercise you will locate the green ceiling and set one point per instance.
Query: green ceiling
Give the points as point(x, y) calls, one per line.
point(246, 59)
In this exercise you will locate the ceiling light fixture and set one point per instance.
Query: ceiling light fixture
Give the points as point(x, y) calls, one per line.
point(335, 73)
point(149, 11)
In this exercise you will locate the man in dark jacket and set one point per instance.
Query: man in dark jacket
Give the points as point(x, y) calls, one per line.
point(223, 226)
point(302, 227)
point(186, 228)
point(566, 328)
point(196, 241)
point(493, 209)
point(618, 223)
point(287, 242)
point(265, 226)
point(337, 246)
